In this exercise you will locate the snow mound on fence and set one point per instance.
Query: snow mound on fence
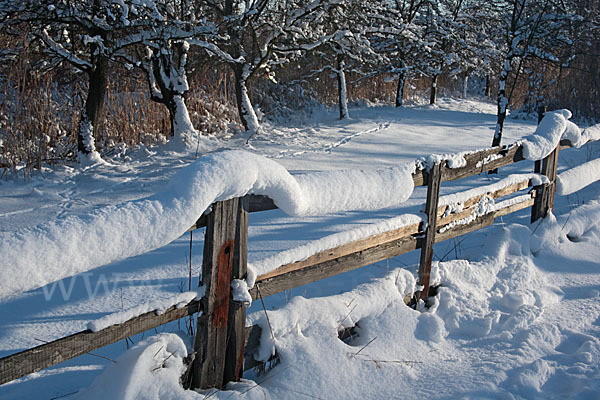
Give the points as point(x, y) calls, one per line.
point(577, 178)
point(590, 134)
point(554, 127)
point(36, 256)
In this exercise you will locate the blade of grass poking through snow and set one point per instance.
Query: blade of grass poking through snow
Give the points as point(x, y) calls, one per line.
point(364, 347)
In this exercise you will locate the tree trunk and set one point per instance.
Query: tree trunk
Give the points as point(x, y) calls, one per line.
point(94, 106)
point(342, 89)
point(179, 115)
point(400, 89)
point(488, 90)
point(433, 96)
point(465, 85)
point(502, 104)
point(168, 85)
point(244, 105)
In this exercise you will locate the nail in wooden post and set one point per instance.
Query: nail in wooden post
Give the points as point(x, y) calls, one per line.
point(433, 196)
point(220, 254)
point(544, 197)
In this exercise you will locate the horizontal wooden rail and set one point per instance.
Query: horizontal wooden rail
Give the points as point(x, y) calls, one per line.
point(374, 249)
point(311, 273)
point(46, 355)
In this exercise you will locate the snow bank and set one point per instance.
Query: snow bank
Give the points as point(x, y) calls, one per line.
point(330, 314)
point(553, 127)
point(582, 222)
point(577, 178)
point(150, 370)
point(499, 295)
point(55, 250)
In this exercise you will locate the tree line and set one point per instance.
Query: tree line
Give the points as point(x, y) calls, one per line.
point(531, 47)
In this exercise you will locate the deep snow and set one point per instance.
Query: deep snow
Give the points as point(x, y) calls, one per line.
point(517, 315)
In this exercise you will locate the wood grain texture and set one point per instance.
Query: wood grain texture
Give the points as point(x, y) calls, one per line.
point(55, 352)
point(343, 250)
point(210, 344)
point(234, 354)
point(544, 199)
point(431, 209)
point(481, 222)
point(315, 272)
point(495, 194)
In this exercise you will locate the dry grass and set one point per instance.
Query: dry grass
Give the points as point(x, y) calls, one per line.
point(39, 111)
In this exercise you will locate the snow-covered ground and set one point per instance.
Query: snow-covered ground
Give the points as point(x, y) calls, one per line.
point(518, 314)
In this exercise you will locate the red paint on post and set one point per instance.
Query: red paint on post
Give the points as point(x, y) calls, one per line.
point(223, 285)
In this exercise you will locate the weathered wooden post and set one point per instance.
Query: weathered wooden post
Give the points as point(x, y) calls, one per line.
point(434, 181)
point(219, 342)
point(544, 194)
point(541, 112)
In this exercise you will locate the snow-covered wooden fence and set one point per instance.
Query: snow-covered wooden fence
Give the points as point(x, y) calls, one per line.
point(223, 345)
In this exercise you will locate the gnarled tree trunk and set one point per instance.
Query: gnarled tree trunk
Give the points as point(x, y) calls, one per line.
point(244, 105)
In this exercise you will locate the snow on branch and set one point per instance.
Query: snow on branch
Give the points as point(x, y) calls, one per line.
point(60, 51)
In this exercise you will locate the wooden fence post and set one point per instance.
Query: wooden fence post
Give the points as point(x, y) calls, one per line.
point(433, 195)
point(544, 195)
point(220, 328)
point(236, 330)
point(538, 163)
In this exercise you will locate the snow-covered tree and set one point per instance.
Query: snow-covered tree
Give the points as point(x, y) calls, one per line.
point(527, 29)
point(85, 34)
point(257, 34)
point(348, 48)
point(451, 48)
point(396, 32)
point(165, 67)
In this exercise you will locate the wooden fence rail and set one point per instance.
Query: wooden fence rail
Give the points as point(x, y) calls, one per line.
point(223, 345)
